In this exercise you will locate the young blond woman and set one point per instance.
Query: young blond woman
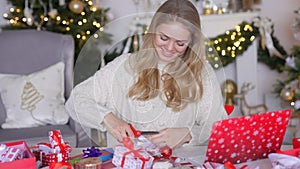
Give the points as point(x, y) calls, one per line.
point(167, 86)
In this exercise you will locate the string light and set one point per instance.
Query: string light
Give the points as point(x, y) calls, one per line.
point(90, 3)
point(96, 35)
point(58, 18)
point(98, 25)
point(223, 53)
point(46, 19)
point(94, 9)
point(292, 103)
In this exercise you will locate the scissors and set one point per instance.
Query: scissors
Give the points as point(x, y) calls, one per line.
point(138, 133)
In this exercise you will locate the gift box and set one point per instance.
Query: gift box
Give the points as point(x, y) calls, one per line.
point(8, 154)
point(56, 152)
point(283, 161)
point(27, 160)
point(47, 159)
point(126, 156)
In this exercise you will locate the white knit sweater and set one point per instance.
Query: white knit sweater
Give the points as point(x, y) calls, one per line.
point(106, 91)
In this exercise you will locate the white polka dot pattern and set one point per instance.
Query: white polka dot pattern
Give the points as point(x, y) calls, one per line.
point(247, 138)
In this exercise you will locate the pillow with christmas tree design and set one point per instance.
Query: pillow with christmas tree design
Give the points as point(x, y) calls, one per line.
point(35, 99)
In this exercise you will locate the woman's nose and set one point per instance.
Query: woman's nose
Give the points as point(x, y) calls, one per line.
point(170, 45)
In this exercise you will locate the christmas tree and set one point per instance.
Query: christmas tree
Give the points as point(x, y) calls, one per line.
point(79, 18)
point(289, 89)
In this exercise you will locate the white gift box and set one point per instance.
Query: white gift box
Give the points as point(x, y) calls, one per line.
point(132, 159)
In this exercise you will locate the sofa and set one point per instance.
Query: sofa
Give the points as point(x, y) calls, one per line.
point(42, 63)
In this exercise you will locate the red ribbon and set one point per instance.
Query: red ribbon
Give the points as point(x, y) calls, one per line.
point(56, 139)
point(128, 143)
point(60, 165)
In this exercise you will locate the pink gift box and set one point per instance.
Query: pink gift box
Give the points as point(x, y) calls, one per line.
point(125, 158)
point(27, 161)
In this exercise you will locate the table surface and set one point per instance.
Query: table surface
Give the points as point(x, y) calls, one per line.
point(196, 155)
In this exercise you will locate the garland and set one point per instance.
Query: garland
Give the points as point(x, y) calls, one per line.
point(231, 44)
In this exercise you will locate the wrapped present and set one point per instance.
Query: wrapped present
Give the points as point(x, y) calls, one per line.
point(19, 151)
point(55, 152)
point(8, 154)
point(126, 156)
point(283, 161)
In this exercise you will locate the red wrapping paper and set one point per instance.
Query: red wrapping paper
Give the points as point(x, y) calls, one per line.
point(57, 151)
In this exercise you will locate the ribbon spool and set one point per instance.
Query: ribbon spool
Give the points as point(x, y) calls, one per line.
point(89, 163)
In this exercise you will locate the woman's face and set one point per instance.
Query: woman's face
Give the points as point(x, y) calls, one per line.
point(171, 40)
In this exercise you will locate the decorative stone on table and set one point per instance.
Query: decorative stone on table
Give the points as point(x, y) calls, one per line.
point(127, 156)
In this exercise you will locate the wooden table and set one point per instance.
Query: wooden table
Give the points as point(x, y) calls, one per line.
point(196, 155)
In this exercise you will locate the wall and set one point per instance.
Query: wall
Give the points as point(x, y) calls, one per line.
point(280, 12)
point(3, 8)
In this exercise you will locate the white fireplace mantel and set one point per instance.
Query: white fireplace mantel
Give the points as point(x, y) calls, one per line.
point(244, 69)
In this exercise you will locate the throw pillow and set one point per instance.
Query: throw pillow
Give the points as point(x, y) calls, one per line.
point(35, 99)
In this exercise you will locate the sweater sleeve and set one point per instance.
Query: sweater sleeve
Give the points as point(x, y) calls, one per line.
point(209, 109)
point(90, 100)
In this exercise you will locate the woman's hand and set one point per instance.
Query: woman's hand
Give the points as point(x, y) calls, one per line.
point(173, 137)
point(117, 127)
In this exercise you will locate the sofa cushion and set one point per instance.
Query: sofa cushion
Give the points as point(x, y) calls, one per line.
point(35, 99)
point(38, 134)
point(29, 50)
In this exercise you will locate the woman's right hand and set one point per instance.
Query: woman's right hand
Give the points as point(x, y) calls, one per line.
point(117, 127)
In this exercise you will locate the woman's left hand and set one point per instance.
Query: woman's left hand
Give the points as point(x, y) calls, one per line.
point(173, 137)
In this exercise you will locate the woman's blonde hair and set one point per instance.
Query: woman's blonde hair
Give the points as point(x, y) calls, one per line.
point(182, 78)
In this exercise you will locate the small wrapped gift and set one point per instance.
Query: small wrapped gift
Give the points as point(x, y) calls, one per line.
point(17, 155)
point(283, 161)
point(56, 151)
point(126, 156)
point(8, 154)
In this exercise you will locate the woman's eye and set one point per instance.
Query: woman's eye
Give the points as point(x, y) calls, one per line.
point(180, 43)
point(164, 38)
